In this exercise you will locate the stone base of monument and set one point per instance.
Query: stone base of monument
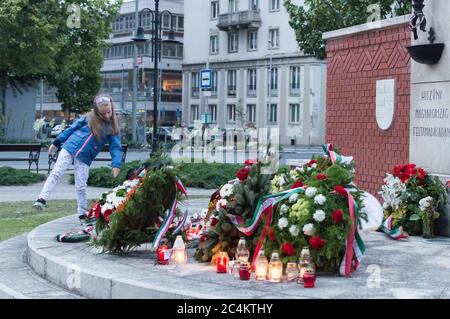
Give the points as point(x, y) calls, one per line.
point(413, 268)
point(442, 226)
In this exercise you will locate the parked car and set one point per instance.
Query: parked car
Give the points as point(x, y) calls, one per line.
point(57, 130)
point(165, 133)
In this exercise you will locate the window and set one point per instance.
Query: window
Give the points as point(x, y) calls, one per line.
point(166, 21)
point(252, 40)
point(274, 5)
point(251, 113)
point(274, 38)
point(231, 113)
point(254, 4)
point(195, 84)
point(294, 113)
point(233, 40)
point(294, 84)
point(146, 20)
point(214, 83)
point(273, 81)
point(180, 23)
point(179, 51)
point(214, 10)
point(195, 112)
point(212, 109)
point(251, 82)
point(231, 82)
point(272, 113)
point(232, 6)
point(214, 44)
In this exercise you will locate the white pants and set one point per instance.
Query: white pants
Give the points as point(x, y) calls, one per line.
point(81, 176)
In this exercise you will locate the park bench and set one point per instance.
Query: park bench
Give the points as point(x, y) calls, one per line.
point(52, 158)
point(33, 150)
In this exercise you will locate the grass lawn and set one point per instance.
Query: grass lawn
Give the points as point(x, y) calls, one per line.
point(17, 218)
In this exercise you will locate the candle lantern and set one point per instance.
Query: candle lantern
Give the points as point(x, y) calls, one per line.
point(163, 254)
point(291, 271)
point(303, 263)
point(261, 266)
point(275, 268)
point(244, 270)
point(179, 255)
point(222, 262)
point(309, 277)
point(242, 250)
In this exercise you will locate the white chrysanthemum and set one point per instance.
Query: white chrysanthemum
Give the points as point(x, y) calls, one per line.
point(319, 215)
point(300, 169)
point(284, 209)
point(282, 180)
point(294, 230)
point(226, 190)
point(283, 222)
point(320, 199)
point(293, 198)
point(311, 192)
point(221, 203)
point(293, 174)
point(425, 203)
point(308, 229)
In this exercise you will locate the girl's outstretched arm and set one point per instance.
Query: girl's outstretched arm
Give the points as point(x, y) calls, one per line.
point(115, 149)
point(61, 138)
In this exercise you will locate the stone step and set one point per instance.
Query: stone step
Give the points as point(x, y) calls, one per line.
point(17, 279)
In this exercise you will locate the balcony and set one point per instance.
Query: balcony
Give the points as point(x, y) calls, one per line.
point(249, 19)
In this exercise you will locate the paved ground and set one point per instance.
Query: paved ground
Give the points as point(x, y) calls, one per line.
point(415, 268)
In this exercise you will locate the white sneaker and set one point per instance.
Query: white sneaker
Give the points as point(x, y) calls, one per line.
point(39, 204)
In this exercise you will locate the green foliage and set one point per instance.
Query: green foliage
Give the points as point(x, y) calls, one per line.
point(207, 175)
point(142, 215)
point(315, 17)
point(11, 176)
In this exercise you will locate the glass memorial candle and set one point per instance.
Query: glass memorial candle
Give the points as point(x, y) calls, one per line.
point(244, 270)
point(222, 263)
point(275, 268)
point(163, 254)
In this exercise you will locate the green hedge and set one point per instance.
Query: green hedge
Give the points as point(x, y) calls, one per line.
point(11, 176)
point(207, 175)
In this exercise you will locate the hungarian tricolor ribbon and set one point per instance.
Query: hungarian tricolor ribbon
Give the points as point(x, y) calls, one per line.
point(394, 233)
point(181, 223)
point(264, 209)
point(170, 215)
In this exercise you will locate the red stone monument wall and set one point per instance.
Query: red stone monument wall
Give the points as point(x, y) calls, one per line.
point(355, 63)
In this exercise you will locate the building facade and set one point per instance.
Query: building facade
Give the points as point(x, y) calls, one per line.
point(260, 76)
point(118, 65)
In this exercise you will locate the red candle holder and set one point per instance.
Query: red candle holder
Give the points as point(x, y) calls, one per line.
point(163, 255)
point(309, 280)
point(222, 263)
point(244, 271)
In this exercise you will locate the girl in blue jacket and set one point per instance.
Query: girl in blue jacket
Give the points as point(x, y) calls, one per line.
point(81, 143)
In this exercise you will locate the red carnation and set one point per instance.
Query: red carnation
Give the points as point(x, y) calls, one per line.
point(271, 234)
point(321, 177)
point(312, 162)
point(242, 174)
point(340, 190)
point(421, 173)
point(95, 211)
point(317, 243)
point(336, 216)
point(213, 221)
point(107, 215)
point(288, 249)
point(250, 162)
point(297, 184)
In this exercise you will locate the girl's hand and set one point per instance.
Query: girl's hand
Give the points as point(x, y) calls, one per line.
point(115, 171)
point(52, 149)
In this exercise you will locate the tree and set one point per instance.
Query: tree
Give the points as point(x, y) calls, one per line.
point(315, 17)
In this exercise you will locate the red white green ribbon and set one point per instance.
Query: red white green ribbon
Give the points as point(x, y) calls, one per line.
point(170, 216)
point(396, 233)
point(181, 223)
point(328, 149)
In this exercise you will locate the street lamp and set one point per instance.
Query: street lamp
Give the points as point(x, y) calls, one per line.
point(140, 41)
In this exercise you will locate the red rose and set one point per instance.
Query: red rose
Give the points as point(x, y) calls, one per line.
point(95, 210)
point(421, 173)
point(317, 243)
point(288, 249)
point(312, 162)
point(250, 162)
point(242, 174)
point(213, 221)
point(340, 190)
point(107, 215)
point(336, 216)
point(297, 184)
point(271, 234)
point(321, 177)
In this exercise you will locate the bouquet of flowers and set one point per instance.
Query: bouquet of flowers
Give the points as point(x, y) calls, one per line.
point(413, 200)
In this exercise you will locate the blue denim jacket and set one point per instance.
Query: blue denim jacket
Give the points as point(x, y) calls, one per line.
point(80, 142)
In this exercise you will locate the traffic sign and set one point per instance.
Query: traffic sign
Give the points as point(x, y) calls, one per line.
point(206, 79)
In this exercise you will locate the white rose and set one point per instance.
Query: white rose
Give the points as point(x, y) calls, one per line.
point(226, 190)
point(284, 209)
point(293, 198)
point(319, 215)
point(308, 229)
point(283, 222)
point(320, 199)
point(314, 165)
point(311, 192)
point(294, 230)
